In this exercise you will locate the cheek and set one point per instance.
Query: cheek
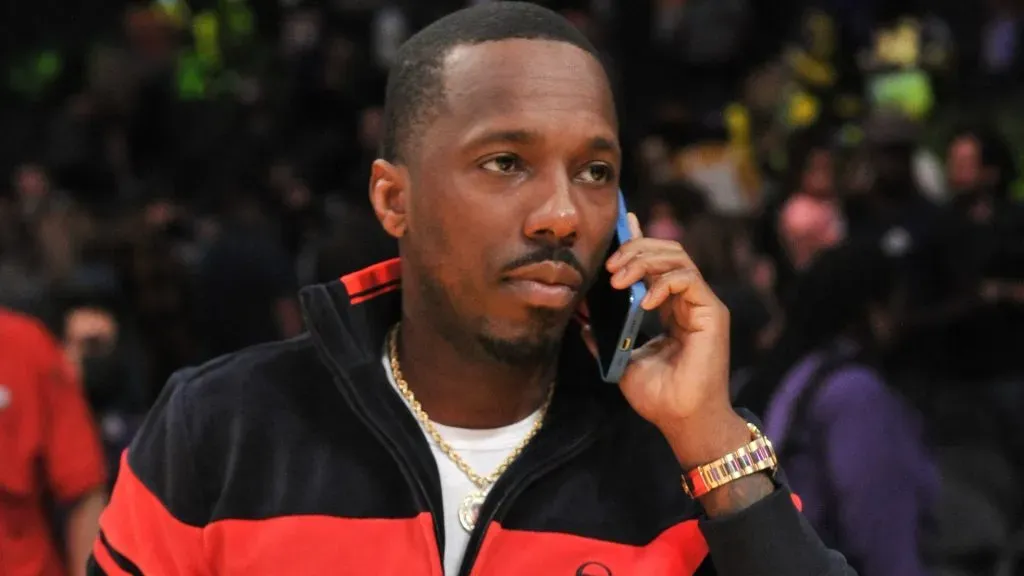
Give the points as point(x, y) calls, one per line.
point(449, 246)
point(599, 255)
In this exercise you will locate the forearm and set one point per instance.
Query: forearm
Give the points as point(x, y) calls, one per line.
point(82, 528)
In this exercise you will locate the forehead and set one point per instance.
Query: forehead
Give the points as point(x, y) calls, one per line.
point(82, 322)
point(551, 88)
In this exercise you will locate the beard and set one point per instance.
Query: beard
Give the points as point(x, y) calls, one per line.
point(536, 348)
point(536, 344)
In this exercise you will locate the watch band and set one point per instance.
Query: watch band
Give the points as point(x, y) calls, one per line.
point(757, 456)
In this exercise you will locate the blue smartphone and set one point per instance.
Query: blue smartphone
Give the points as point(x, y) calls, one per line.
point(615, 316)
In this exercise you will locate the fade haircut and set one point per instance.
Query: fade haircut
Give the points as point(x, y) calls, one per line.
point(415, 90)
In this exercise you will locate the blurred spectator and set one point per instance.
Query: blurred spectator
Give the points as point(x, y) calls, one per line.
point(52, 461)
point(893, 197)
point(157, 282)
point(852, 448)
point(41, 241)
point(985, 250)
point(808, 226)
point(1002, 53)
point(110, 366)
point(802, 216)
point(810, 221)
point(246, 285)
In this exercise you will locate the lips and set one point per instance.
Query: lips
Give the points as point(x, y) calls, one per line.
point(546, 285)
point(549, 273)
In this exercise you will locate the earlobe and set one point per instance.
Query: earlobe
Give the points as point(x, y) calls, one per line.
point(388, 187)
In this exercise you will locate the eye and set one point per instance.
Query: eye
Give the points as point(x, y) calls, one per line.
point(597, 173)
point(503, 164)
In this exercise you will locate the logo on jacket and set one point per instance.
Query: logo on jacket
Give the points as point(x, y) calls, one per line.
point(593, 569)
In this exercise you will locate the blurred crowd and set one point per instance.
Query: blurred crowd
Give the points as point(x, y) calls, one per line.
point(845, 173)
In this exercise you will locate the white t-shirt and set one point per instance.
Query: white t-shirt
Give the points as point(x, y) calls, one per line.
point(484, 451)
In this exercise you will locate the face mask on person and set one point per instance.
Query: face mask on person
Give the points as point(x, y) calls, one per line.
point(102, 377)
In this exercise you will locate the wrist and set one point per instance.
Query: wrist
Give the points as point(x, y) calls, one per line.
point(705, 438)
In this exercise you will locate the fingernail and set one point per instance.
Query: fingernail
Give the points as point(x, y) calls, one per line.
point(634, 224)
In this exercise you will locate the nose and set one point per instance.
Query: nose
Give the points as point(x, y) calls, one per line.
point(556, 220)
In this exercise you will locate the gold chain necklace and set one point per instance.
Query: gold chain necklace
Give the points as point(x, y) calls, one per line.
point(469, 510)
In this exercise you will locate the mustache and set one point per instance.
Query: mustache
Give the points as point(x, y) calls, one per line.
point(559, 254)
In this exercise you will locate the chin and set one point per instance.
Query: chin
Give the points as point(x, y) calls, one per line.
point(525, 342)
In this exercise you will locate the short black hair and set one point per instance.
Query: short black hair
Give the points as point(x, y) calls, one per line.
point(415, 87)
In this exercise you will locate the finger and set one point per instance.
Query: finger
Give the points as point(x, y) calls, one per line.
point(634, 226)
point(634, 248)
point(649, 265)
point(687, 284)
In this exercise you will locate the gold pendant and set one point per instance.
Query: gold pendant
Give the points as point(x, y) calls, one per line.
point(469, 510)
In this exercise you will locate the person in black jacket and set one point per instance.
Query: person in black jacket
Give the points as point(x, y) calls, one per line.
point(444, 414)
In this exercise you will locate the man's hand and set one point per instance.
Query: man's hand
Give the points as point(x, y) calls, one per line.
point(680, 381)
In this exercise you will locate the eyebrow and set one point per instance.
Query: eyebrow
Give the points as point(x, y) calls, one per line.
point(595, 144)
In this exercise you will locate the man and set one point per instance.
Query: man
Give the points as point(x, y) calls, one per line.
point(49, 454)
point(109, 369)
point(476, 437)
point(981, 254)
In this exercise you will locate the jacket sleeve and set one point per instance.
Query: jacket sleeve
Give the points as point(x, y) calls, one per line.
point(770, 538)
point(153, 523)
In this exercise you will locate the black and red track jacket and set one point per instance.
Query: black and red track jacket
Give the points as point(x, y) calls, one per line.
point(299, 458)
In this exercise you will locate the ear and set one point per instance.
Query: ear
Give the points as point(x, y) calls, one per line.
point(389, 185)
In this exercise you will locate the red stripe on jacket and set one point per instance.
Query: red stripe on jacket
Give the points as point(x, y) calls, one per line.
point(369, 279)
point(677, 551)
point(140, 528)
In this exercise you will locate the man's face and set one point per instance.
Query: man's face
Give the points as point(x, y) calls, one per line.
point(963, 164)
point(511, 195)
point(89, 332)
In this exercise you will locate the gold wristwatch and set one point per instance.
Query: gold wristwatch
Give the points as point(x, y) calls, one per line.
point(757, 456)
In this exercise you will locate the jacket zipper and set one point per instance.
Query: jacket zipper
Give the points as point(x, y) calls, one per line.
point(403, 464)
point(507, 496)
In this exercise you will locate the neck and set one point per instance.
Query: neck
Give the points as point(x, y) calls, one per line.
point(462, 386)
